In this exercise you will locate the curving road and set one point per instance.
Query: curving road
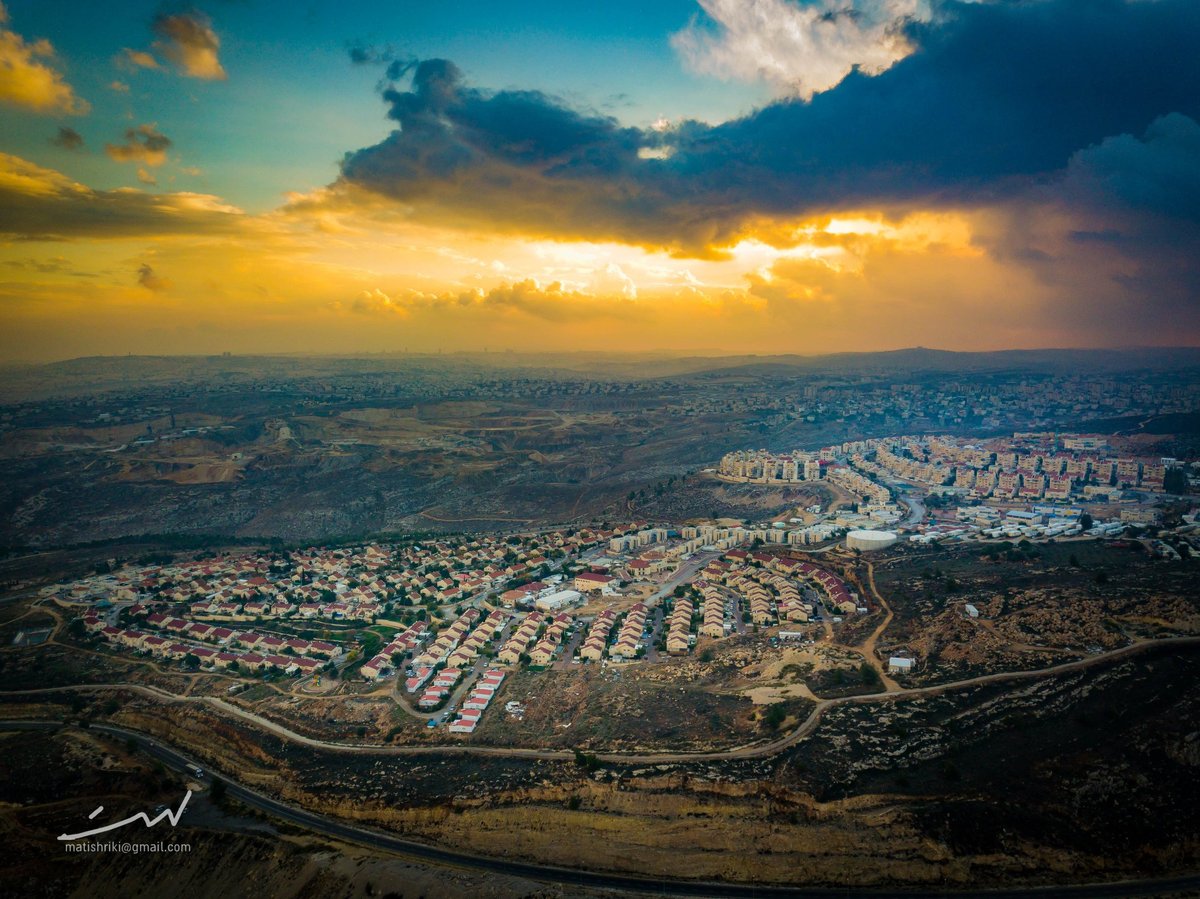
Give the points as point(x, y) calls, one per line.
point(380, 840)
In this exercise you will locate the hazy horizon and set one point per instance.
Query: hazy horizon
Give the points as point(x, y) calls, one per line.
point(650, 354)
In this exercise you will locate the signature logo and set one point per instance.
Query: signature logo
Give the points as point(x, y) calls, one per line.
point(172, 816)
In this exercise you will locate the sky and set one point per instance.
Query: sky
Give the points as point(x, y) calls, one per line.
point(708, 176)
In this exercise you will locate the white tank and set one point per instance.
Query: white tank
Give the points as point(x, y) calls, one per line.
point(870, 540)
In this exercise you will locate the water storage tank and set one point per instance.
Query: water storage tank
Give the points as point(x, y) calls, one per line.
point(869, 540)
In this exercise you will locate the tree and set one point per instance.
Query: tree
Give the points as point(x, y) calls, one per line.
point(1085, 521)
point(217, 790)
point(775, 716)
point(1175, 481)
point(587, 761)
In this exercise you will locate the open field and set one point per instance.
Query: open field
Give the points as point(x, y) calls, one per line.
point(1037, 605)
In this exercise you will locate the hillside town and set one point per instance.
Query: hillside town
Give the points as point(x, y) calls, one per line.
point(440, 624)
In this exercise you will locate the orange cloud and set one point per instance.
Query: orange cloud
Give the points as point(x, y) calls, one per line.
point(144, 144)
point(41, 203)
point(135, 59)
point(151, 281)
point(188, 41)
point(28, 81)
point(337, 271)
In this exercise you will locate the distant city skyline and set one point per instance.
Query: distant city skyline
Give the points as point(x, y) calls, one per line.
point(751, 177)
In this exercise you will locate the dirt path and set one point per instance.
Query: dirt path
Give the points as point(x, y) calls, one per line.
point(867, 647)
point(475, 518)
point(748, 751)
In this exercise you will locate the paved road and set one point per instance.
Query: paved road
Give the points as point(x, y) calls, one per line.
point(375, 839)
point(567, 653)
point(916, 508)
point(684, 573)
point(656, 622)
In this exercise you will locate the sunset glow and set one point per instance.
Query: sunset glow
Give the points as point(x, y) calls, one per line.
point(151, 205)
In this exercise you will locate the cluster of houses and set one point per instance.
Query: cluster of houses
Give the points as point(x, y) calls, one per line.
point(649, 564)
point(751, 585)
point(380, 665)
point(838, 597)
point(544, 652)
point(436, 692)
point(352, 584)
point(628, 638)
point(521, 638)
point(596, 640)
point(437, 685)
point(468, 650)
point(713, 624)
point(630, 634)
point(679, 626)
point(455, 648)
point(770, 588)
point(477, 701)
point(447, 641)
point(244, 650)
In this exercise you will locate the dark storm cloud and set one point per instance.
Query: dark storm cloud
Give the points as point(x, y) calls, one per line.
point(995, 99)
point(1158, 173)
point(520, 158)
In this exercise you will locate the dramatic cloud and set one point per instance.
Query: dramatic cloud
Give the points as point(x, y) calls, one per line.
point(27, 80)
point(144, 144)
point(43, 204)
point(188, 41)
point(799, 49)
point(984, 175)
point(68, 139)
point(464, 153)
point(993, 98)
point(1159, 173)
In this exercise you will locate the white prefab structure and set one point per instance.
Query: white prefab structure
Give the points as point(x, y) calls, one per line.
point(897, 665)
point(558, 600)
